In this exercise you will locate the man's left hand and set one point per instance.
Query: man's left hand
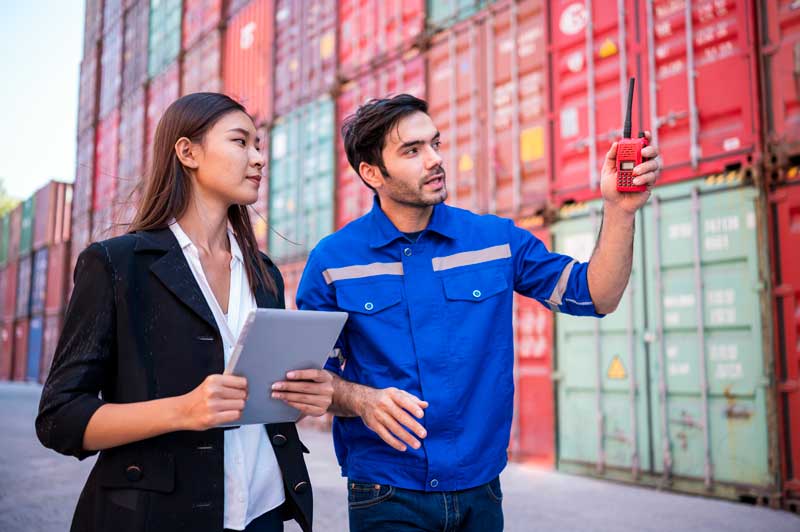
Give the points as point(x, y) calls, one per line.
point(644, 174)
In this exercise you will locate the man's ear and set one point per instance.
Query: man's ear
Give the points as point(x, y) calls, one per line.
point(371, 175)
point(183, 149)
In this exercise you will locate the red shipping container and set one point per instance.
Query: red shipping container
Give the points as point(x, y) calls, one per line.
point(232, 7)
point(105, 173)
point(162, 91)
point(53, 210)
point(9, 294)
point(372, 31)
point(533, 432)
point(89, 89)
point(111, 69)
point(20, 365)
point(199, 18)
point(780, 49)
point(112, 11)
point(407, 75)
point(58, 263)
point(6, 351)
point(785, 220)
point(130, 169)
point(83, 189)
point(305, 52)
point(704, 103)
point(93, 24)
point(134, 58)
point(202, 69)
point(14, 233)
point(291, 273)
point(247, 68)
point(24, 274)
point(50, 337)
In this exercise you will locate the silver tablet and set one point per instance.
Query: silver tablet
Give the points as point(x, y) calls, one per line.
point(273, 342)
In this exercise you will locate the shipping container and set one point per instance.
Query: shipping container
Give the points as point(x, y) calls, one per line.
point(134, 58)
point(533, 428)
point(779, 29)
point(52, 333)
point(8, 310)
point(111, 69)
point(5, 225)
point(259, 212)
point(112, 12)
point(232, 7)
point(105, 171)
point(291, 273)
point(162, 91)
point(81, 238)
point(375, 31)
point(14, 232)
point(442, 14)
point(26, 226)
point(202, 69)
point(53, 213)
point(92, 24)
point(83, 189)
point(199, 18)
point(21, 332)
point(57, 278)
point(39, 281)
point(785, 237)
point(301, 180)
point(23, 299)
point(165, 35)
point(674, 391)
point(247, 68)
point(131, 154)
point(406, 75)
point(305, 52)
point(6, 350)
point(34, 359)
point(104, 223)
point(89, 89)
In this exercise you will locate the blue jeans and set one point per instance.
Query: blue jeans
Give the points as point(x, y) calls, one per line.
point(377, 507)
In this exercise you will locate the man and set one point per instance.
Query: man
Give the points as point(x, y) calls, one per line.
point(425, 362)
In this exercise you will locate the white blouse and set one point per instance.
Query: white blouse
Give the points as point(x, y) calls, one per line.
point(253, 481)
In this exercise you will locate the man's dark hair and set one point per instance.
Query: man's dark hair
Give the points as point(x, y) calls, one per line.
point(365, 132)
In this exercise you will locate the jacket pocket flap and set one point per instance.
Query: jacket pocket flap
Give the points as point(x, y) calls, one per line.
point(368, 298)
point(138, 470)
point(476, 285)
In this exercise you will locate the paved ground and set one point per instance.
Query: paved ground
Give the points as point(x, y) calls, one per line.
point(38, 491)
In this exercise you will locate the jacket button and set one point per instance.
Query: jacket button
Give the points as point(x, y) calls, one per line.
point(279, 440)
point(133, 473)
point(301, 487)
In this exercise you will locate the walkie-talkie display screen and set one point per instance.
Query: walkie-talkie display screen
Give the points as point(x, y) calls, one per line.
point(626, 165)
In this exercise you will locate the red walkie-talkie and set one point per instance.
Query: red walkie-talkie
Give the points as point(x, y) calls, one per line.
point(629, 151)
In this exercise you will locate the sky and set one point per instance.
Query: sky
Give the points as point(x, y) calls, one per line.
point(41, 44)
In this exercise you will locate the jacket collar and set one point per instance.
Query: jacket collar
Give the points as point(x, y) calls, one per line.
point(384, 232)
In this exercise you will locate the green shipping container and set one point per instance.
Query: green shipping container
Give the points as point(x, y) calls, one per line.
point(5, 224)
point(301, 180)
point(444, 13)
point(26, 229)
point(164, 43)
point(672, 390)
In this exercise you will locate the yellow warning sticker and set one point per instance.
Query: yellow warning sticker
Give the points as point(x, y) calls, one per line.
point(607, 49)
point(531, 144)
point(616, 370)
point(465, 163)
point(326, 45)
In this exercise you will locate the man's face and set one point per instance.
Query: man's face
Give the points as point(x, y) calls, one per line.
point(411, 157)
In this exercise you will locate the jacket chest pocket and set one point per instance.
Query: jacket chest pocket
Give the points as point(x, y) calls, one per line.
point(369, 299)
point(474, 286)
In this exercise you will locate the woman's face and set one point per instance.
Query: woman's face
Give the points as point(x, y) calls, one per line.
point(229, 161)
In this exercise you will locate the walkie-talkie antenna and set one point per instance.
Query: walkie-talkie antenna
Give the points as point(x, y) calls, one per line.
point(626, 133)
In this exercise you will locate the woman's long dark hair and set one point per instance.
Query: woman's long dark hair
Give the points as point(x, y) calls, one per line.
point(168, 187)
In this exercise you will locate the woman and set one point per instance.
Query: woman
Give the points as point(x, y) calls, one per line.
point(150, 325)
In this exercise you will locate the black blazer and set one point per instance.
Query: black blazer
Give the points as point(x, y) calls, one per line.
point(137, 328)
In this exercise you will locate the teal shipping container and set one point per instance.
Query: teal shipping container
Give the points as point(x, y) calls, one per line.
point(165, 35)
point(442, 14)
point(5, 225)
point(26, 229)
point(301, 180)
point(673, 389)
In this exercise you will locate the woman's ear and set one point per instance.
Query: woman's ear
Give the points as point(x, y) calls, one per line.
point(183, 149)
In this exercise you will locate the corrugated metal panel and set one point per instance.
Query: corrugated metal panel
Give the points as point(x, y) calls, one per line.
point(373, 31)
point(134, 58)
point(21, 331)
point(199, 18)
point(84, 171)
point(5, 225)
point(26, 226)
point(444, 14)
point(111, 69)
point(202, 69)
point(57, 274)
point(35, 337)
point(39, 281)
point(407, 75)
point(305, 52)
point(247, 68)
point(23, 299)
point(92, 24)
point(533, 430)
point(301, 180)
point(89, 89)
point(6, 351)
point(785, 236)
point(52, 332)
point(14, 230)
point(112, 11)
point(105, 180)
point(165, 35)
point(53, 207)
point(780, 57)
point(162, 91)
point(9, 295)
point(232, 7)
